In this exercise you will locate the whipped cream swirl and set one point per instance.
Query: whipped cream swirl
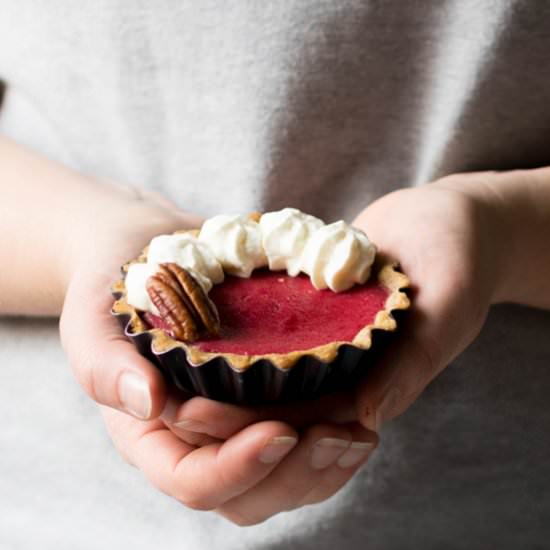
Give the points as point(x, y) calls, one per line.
point(284, 236)
point(136, 291)
point(188, 252)
point(182, 249)
point(236, 242)
point(335, 256)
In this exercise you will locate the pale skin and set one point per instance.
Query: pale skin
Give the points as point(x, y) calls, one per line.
point(466, 241)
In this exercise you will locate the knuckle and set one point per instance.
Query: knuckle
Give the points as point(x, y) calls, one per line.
point(454, 179)
point(319, 494)
point(243, 519)
point(231, 479)
point(295, 490)
point(195, 503)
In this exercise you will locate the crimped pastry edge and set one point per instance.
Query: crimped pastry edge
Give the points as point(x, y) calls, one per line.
point(386, 272)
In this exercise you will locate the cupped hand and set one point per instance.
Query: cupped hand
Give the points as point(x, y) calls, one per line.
point(251, 463)
point(248, 464)
point(106, 364)
point(445, 237)
point(239, 461)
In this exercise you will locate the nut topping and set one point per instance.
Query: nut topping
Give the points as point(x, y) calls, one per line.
point(182, 303)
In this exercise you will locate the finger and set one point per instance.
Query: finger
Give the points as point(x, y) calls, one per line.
point(390, 388)
point(290, 483)
point(222, 420)
point(430, 338)
point(202, 478)
point(105, 363)
point(196, 438)
point(123, 429)
point(336, 476)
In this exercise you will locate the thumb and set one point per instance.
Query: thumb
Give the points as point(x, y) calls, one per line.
point(439, 327)
point(395, 383)
point(105, 363)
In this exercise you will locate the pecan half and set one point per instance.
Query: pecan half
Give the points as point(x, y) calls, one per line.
point(182, 303)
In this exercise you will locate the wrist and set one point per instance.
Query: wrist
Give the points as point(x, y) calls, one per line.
point(68, 220)
point(516, 207)
point(494, 234)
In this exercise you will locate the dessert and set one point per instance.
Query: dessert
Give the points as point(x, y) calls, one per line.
point(260, 308)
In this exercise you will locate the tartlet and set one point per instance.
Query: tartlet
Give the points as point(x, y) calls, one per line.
point(276, 338)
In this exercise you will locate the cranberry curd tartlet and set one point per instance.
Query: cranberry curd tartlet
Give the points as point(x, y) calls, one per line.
point(260, 308)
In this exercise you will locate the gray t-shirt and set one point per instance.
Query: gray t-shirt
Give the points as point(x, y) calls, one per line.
point(321, 105)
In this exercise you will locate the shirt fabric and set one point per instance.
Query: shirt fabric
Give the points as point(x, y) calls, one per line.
point(320, 105)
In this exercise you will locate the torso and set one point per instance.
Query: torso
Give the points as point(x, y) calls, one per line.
point(323, 106)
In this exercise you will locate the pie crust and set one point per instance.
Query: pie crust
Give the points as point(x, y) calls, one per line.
point(275, 377)
point(385, 273)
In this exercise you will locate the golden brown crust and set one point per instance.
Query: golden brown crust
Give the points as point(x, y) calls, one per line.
point(386, 272)
point(255, 216)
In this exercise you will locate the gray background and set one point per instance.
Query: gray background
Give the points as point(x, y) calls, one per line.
point(324, 106)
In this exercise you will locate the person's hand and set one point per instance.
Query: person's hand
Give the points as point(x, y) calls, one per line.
point(248, 464)
point(241, 462)
point(445, 237)
point(106, 364)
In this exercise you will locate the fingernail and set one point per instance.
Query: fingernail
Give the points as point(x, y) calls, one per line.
point(192, 425)
point(134, 395)
point(326, 451)
point(276, 448)
point(357, 452)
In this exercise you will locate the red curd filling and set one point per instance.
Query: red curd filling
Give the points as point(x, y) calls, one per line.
point(272, 312)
